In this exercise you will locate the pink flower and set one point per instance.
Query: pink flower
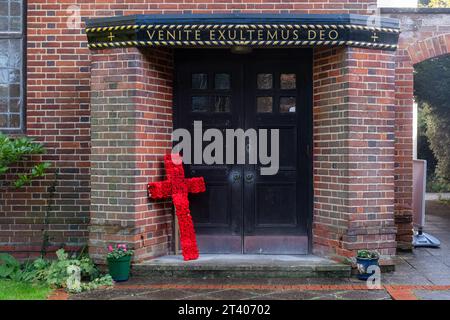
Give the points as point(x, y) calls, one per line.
point(110, 248)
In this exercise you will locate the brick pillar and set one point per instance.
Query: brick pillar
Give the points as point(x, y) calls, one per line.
point(131, 123)
point(353, 151)
point(404, 147)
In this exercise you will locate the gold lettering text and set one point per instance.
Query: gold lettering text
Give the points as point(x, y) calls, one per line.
point(311, 34)
point(221, 34)
point(170, 35)
point(272, 35)
point(150, 34)
point(241, 35)
point(322, 34)
point(333, 34)
point(260, 35)
point(232, 36)
point(285, 34)
point(250, 34)
point(188, 34)
point(161, 35)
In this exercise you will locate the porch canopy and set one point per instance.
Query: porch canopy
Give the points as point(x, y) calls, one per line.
point(255, 30)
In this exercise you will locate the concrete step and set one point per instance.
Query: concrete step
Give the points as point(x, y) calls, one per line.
point(243, 266)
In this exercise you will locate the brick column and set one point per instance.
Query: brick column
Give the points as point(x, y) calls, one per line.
point(353, 151)
point(404, 149)
point(131, 123)
point(404, 89)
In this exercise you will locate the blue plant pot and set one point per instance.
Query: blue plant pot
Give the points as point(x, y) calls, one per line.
point(362, 265)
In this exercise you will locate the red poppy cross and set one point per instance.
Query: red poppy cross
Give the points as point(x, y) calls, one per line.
point(178, 187)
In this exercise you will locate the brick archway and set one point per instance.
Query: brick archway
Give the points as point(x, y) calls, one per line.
point(425, 34)
point(431, 47)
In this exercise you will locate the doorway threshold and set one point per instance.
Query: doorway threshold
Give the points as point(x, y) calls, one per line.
point(243, 266)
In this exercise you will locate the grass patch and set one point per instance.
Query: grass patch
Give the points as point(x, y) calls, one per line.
point(13, 290)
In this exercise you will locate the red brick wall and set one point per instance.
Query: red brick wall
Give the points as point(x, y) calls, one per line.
point(330, 221)
point(425, 34)
point(131, 124)
point(58, 113)
point(353, 151)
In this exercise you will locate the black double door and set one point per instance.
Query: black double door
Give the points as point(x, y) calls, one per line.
point(243, 210)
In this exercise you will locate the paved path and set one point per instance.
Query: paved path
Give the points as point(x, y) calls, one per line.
point(181, 289)
point(423, 274)
point(427, 266)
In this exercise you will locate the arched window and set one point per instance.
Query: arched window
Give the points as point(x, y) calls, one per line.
point(12, 30)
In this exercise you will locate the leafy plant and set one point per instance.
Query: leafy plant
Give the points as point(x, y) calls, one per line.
point(54, 273)
point(444, 201)
point(119, 251)
point(103, 281)
point(431, 91)
point(13, 151)
point(57, 271)
point(367, 254)
point(9, 266)
point(434, 3)
point(438, 184)
point(31, 271)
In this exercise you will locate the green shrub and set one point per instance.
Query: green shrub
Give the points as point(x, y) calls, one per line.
point(367, 254)
point(13, 151)
point(438, 185)
point(9, 266)
point(55, 273)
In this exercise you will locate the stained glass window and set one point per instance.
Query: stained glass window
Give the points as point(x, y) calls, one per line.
point(11, 65)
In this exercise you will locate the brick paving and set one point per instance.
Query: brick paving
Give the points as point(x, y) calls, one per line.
point(59, 294)
point(236, 291)
point(432, 294)
point(422, 274)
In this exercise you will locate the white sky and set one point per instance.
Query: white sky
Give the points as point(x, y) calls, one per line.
point(397, 3)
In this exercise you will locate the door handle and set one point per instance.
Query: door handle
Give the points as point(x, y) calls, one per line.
point(236, 177)
point(249, 177)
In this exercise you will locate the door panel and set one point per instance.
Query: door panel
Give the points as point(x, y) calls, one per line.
point(243, 211)
point(211, 92)
point(273, 204)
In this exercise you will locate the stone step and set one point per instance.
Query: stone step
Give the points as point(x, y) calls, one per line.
point(243, 266)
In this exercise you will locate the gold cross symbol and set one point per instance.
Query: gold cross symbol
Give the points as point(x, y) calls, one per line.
point(374, 37)
point(111, 36)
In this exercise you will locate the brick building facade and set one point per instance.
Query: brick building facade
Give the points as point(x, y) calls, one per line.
point(106, 118)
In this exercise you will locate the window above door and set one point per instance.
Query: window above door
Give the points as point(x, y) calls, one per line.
point(211, 92)
point(276, 93)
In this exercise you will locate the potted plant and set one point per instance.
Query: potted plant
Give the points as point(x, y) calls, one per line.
point(365, 259)
point(119, 261)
